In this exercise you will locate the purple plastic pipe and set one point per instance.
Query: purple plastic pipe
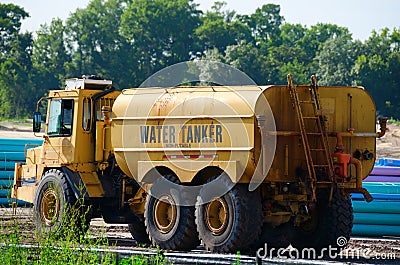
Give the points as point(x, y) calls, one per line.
point(385, 171)
point(382, 179)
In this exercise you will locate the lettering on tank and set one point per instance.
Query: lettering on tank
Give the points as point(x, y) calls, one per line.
point(181, 135)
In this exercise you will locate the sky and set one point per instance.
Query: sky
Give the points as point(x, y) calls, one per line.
point(359, 16)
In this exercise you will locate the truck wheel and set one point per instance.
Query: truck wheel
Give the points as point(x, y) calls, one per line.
point(328, 226)
point(229, 223)
point(138, 232)
point(170, 225)
point(274, 237)
point(52, 202)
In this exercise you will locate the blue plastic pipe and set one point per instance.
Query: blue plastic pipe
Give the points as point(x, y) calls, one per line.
point(6, 174)
point(8, 202)
point(17, 145)
point(12, 156)
point(382, 187)
point(5, 183)
point(377, 196)
point(5, 193)
point(7, 166)
point(376, 207)
point(390, 162)
point(376, 230)
point(19, 141)
point(377, 218)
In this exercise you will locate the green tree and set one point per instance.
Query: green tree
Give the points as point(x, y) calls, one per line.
point(336, 59)
point(281, 59)
point(377, 69)
point(221, 28)
point(97, 45)
point(15, 63)
point(50, 57)
point(317, 35)
point(161, 32)
point(249, 59)
point(10, 25)
point(292, 35)
point(265, 25)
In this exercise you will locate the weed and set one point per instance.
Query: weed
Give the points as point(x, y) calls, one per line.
point(157, 259)
point(237, 261)
point(69, 245)
point(393, 121)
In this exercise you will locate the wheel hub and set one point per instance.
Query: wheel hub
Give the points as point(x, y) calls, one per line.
point(50, 207)
point(217, 216)
point(165, 214)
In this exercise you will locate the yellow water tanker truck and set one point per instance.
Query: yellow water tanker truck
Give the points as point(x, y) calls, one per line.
point(229, 167)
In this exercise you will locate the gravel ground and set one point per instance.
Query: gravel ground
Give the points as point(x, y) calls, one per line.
point(358, 251)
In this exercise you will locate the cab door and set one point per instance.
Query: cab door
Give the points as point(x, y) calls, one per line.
point(57, 147)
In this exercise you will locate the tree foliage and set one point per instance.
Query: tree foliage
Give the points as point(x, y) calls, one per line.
point(129, 40)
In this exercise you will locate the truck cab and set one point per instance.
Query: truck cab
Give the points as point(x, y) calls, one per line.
point(76, 148)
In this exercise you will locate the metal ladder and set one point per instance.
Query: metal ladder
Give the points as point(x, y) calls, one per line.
point(320, 135)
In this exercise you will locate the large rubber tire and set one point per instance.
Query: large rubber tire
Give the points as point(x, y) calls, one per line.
point(177, 231)
point(52, 203)
point(229, 223)
point(328, 226)
point(138, 232)
point(273, 237)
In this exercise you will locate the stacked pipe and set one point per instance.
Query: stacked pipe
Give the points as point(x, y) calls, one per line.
point(380, 217)
point(11, 152)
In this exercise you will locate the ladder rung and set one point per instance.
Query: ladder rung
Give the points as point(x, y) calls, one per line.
point(307, 101)
point(311, 118)
point(317, 150)
point(320, 165)
point(324, 182)
point(314, 133)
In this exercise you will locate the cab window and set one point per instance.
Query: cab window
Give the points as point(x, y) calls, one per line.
point(87, 117)
point(60, 117)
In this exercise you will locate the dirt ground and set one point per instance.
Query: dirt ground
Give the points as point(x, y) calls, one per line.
point(389, 145)
point(16, 130)
point(358, 251)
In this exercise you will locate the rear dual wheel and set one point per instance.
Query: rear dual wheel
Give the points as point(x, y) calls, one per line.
point(231, 222)
point(330, 224)
point(226, 223)
point(138, 232)
point(169, 223)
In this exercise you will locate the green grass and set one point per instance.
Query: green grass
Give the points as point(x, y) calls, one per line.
point(70, 245)
point(394, 121)
point(157, 259)
point(16, 120)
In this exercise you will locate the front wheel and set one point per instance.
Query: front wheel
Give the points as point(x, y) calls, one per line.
point(53, 204)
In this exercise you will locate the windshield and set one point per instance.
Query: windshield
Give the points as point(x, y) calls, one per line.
point(60, 117)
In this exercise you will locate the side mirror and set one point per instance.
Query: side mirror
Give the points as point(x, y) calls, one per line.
point(37, 121)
